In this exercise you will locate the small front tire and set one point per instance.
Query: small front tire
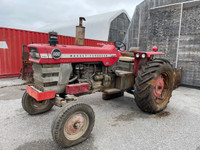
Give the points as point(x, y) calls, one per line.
point(73, 124)
point(33, 106)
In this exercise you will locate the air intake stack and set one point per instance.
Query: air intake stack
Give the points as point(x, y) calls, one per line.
point(53, 38)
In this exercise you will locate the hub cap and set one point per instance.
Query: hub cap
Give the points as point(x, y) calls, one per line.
point(159, 86)
point(39, 104)
point(76, 125)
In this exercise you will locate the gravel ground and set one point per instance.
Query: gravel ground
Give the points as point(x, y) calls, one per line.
point(120, 125)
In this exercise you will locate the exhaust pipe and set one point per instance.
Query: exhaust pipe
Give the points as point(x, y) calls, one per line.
point(80, 33)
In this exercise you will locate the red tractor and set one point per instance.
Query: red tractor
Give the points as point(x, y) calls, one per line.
point(64, 70)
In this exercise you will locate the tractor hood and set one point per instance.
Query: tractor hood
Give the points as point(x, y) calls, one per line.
point(46, 54)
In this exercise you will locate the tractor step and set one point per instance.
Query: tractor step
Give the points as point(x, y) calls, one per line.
point(112, 93)
point(122, 73)
point(124, 80)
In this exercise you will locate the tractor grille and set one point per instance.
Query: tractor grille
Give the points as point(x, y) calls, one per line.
point(49, 77)
point(46, 76)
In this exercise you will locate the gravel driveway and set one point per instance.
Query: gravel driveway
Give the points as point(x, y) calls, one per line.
point(120, 125)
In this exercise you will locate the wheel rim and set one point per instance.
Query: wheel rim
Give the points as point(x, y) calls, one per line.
point(39, 104)
point(76, 125)
point(161, 89)
point(158, 87)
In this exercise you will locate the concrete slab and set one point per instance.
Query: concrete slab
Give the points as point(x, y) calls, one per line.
point(10, 82)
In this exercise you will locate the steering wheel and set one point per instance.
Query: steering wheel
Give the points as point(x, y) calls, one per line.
point(120, 45)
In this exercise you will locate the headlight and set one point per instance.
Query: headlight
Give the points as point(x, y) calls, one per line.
point(137, 55)
point(143, 55)
point(34, 53)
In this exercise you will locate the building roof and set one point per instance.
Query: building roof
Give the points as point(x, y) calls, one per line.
point(97, 26)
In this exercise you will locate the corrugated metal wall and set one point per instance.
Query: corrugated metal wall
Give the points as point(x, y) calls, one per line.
point(10, 58)
point(173, 26)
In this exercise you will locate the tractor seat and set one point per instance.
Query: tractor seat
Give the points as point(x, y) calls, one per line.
point(126, 59)
point(134, 49)
point(129, 56)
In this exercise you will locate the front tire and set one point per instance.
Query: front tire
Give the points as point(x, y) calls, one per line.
point(73, 124)
point(154, 85)
point(33, 106)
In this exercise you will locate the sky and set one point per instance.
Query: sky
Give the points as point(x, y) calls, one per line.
point(33, 14)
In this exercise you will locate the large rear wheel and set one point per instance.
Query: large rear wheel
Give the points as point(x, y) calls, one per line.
point(33, 107)
point(154, 85)
point(73, 124)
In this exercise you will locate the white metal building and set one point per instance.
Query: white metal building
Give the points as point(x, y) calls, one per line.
point(111, 26)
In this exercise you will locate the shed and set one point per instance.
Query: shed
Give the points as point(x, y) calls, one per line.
point(111, 26)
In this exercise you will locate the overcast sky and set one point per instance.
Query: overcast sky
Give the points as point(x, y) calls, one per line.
point(33, 14)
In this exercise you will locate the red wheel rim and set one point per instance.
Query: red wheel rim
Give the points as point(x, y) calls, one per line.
point(158, 87)
point(76, 125)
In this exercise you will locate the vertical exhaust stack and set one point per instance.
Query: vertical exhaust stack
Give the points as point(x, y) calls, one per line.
point(80, 33)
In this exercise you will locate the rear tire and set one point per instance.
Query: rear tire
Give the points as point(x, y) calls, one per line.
point(33, 106)
point(154, 85)
point(73, 124)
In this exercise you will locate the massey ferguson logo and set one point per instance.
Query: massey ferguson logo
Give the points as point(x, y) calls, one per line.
point(56, 53)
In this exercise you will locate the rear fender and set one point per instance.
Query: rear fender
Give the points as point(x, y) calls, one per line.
point(139, 62)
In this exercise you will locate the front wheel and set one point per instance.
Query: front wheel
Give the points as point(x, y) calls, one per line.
point(154, 85)
point(33, 107)
point(73, 124)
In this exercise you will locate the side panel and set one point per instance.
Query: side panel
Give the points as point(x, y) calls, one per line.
point(77, 88)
